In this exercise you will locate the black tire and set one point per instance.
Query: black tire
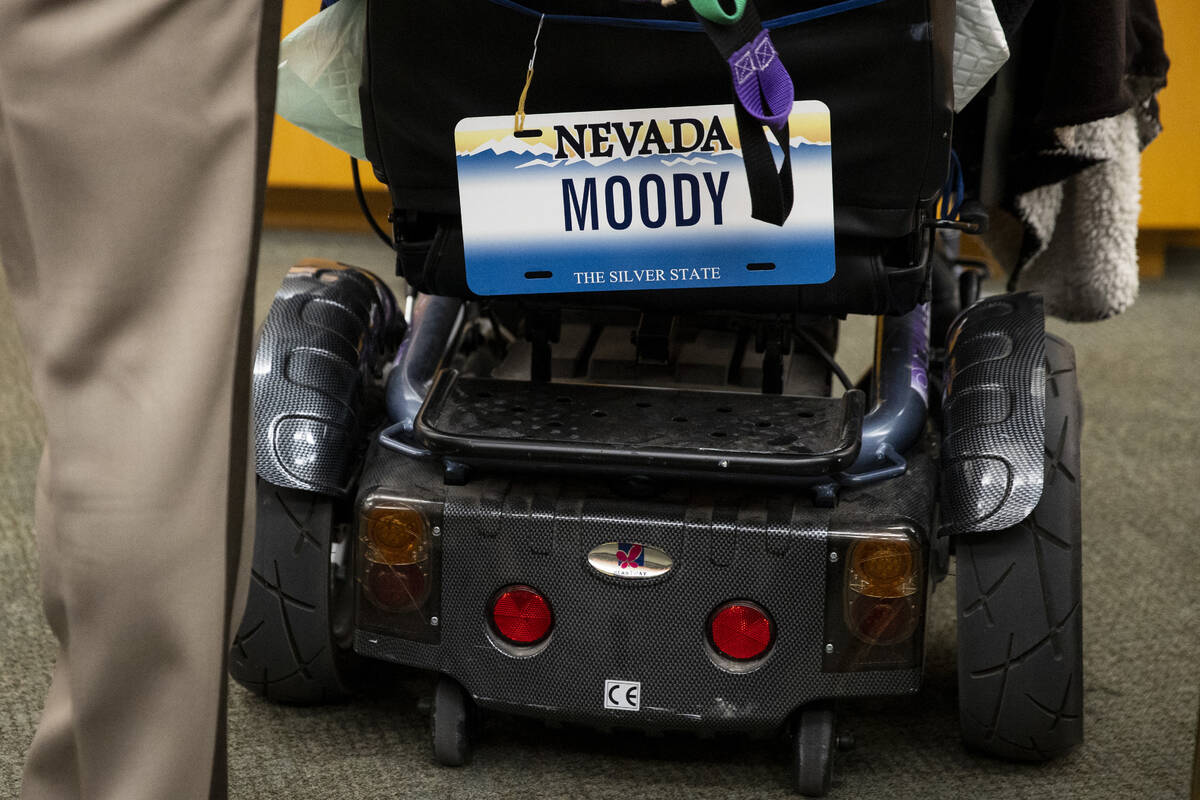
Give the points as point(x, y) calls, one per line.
point(450, 724)
point(813, 748)
point(294, 642)
point(1020, 613)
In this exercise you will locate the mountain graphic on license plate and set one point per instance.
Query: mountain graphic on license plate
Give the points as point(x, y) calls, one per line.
point(636, 199)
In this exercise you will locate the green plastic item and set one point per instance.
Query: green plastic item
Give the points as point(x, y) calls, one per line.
point(320, 68)
point(712, 11)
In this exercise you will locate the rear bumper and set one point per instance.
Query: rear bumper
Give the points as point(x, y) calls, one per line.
point(771, 549)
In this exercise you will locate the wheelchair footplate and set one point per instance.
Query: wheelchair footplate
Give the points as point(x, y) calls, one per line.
point(632, 430)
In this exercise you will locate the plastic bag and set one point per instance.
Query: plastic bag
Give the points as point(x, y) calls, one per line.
point(980, 49)
point(320, 68)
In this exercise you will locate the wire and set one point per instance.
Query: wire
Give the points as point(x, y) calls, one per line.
point(825, 356)
point(366, 210)
point(519, 119)
point(954, 189)
point(960, 188)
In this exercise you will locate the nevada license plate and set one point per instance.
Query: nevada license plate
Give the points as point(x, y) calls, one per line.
point(651, 198)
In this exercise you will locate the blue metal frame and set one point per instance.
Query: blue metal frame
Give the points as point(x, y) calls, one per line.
point(686, 27)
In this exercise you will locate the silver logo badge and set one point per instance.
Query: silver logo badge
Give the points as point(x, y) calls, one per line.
point(630, 560)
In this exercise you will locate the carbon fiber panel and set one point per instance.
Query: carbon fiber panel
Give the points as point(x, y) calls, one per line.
point(771, 549)
point(326, 326)
point(994, 410)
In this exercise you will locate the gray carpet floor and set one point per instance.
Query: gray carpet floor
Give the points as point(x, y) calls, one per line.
point(1141, 380)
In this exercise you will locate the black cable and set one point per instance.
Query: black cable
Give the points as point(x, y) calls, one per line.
point(362, 204)
point(825, 356)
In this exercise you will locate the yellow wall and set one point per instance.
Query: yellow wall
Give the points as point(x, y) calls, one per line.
point(300, 160)
point(1171, 166)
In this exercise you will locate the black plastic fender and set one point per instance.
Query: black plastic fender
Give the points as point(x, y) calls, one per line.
point(993, 414)
point(328, 325)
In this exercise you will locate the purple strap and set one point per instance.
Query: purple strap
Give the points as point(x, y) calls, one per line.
point(761, 82)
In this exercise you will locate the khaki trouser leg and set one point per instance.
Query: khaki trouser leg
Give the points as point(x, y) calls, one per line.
point(131, 166)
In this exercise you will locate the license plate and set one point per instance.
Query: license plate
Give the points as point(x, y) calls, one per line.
point(652, 198)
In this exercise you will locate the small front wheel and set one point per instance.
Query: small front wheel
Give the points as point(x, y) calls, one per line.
point(812, 750)
point(450, 720)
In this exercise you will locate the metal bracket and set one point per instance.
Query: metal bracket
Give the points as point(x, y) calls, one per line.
point(541, 329)
point(774, 341)
point(653, 338)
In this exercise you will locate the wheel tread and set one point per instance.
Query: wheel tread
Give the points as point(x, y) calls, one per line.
point(1044, 580)
point(290, 634)
point(305, 535)
point(1056, 715)
point(985, 595)
point(1028, 652)
point(1020, 662)
point(283, 648)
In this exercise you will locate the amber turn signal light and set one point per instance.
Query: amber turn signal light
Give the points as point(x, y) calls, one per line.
point(883, 568)
point(396, 535)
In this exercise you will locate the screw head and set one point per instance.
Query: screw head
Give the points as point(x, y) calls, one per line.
point(434, 621)
point(833, 557)
point(437, 530)
point(829, 648)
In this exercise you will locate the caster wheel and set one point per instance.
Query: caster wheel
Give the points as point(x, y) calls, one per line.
point(450, 724)
point(812, 750)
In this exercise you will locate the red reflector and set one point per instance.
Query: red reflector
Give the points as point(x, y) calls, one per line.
point(521, 615)
point(741, 630)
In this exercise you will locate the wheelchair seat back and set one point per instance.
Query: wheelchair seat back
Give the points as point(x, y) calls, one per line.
point(880, 66)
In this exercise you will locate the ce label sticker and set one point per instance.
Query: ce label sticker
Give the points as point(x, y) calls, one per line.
point(623, 695)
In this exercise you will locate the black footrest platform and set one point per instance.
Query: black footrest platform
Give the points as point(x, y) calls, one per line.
point(639, 430)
